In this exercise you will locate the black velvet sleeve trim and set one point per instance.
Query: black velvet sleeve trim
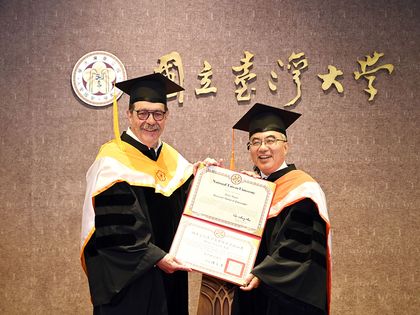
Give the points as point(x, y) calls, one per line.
point(114, 200)
point(114, 219)
point(115, 240)
point(298, 236)
point(291, 254)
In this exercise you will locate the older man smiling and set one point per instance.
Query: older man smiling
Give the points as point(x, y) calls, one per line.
point(293, 266)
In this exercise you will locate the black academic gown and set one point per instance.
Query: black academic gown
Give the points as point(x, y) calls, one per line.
point(134, 229)
point(291, 264)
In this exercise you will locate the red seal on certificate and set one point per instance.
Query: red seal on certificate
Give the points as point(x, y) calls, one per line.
point(234, 268)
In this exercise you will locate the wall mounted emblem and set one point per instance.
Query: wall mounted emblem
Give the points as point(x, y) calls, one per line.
point(94, 76)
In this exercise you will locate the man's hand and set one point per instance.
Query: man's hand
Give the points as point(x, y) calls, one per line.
point(252, 282)
point(170, 264)
point(207, 162)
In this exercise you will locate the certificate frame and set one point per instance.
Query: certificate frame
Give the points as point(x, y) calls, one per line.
point(215, 250)
point(235, 190)
point(213, 236)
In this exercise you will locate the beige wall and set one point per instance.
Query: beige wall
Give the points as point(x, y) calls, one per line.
point(365, 155)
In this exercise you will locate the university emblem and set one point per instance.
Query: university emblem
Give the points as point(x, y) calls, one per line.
point(236, 179)
point(219, 233)
point(160, 176)
point(94, 76)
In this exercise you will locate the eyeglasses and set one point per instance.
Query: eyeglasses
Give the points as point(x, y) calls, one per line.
point(268, 142)
point(142, 114)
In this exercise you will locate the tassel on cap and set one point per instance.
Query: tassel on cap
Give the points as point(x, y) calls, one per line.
point(116, 122)
point(232, 155)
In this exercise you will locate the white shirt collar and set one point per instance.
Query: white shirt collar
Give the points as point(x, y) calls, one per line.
point(132, 135)
point(284, 165)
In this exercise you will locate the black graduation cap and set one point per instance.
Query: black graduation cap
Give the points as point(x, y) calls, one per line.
point(262, 118)
point(151, 88)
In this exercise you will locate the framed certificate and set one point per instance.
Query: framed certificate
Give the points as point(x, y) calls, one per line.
point(220, 231)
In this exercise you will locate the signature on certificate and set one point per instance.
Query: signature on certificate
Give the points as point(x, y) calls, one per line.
point(241, 217)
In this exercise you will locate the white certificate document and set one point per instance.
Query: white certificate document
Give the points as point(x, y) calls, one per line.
point(231, 199)
point(220, 230)
point(211, 249)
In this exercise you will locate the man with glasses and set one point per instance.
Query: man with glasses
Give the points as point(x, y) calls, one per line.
point(136, 192)
point(292, 270)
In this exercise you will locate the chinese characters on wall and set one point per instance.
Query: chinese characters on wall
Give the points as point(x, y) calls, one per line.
point(171, 66)
point(367, 74)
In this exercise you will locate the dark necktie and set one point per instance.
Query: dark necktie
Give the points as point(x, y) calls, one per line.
point(153, 154)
